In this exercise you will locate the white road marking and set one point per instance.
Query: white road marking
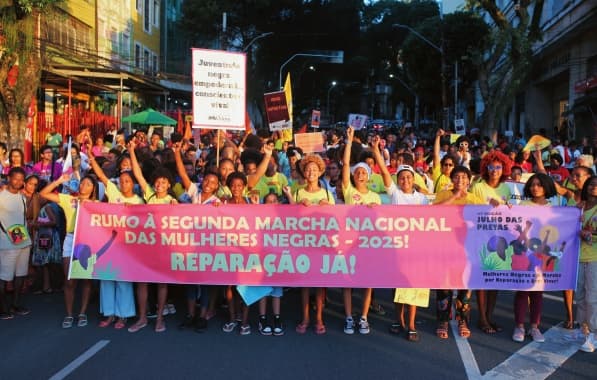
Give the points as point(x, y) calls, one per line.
point(534, 361)
point(64, 372)
point(466, 354)
point(537, 361)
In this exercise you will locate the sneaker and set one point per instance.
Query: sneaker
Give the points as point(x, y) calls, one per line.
point(264, 327)
point(6, 316)
point(278, 326)
point(151, 315)
point(363, 326)
point(536, 335)
point(187, 323)
point(171, 309)
point(589, 344)
point(166, 311)
point(19, 310)
point(229, 327)
point(200, 325)
point(245, 330)
point(518, 335)
point(349, 326)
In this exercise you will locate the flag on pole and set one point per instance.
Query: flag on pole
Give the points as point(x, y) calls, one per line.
point(249, 126)
point(287, 133)
point(67, 165)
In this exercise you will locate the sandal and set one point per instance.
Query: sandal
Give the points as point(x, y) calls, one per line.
point(413, 336)
point(82, 320)
point(496, 327)
point(320, 329)
point(301, 328)
point(487, 329)
point(67, 322)
point(106, 322)
point(569, 325)
point(137, 326)
point(442, 330)
point(160, 326)
point(120, 323)
point(463, 329)
point(396, 328)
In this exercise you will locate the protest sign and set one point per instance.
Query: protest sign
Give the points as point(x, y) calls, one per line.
point(310, 142)
point(219, 84)
point(276, 110)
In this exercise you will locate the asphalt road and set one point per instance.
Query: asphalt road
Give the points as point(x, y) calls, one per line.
point(36, 347)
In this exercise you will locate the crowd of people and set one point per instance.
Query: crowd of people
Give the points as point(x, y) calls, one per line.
point(38, 208)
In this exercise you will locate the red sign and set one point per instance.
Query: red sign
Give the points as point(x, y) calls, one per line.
point(315, 118)
point(585, 84)
point(276, 109)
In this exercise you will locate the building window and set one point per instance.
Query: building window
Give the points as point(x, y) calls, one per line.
point(137, 56)
point(146, 16)
point(156, 13)
point(154, 64)
point(146, 62)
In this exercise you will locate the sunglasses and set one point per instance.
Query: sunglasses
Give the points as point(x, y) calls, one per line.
point(494, 167)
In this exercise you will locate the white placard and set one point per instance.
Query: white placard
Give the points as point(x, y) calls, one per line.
point(219, 89)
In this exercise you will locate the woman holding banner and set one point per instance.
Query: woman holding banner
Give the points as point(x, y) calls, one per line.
point(537, 190)
point(117, 301)
point(312, 194)
point(359, 194)
point(87, 191)
point(586, 294)
point(403, 194)
point(458, 195)
point(495, 169)
point(159, 193)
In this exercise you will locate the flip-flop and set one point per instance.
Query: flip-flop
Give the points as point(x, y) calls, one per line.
point(120, 324)
point(320, 329)
point(301, 328)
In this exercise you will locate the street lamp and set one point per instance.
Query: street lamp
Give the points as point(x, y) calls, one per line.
point(336, 57)
point(255, 39)
point(327, 106)
point(443, 65)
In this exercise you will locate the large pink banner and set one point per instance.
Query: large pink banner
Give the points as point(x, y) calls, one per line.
point(448, 247)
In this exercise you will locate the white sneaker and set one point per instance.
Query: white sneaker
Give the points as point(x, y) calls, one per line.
point(363, 326)
point(518, 335)
point(589, 344)
point(349, 326)
point(536, 335)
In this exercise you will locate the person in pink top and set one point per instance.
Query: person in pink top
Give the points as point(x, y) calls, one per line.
point(46, 168)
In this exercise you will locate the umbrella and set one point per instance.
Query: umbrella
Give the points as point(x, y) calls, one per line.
point(149, 117)
point(537, 142)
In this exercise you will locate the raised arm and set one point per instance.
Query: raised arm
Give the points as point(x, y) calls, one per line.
point(387, 177)
point(346, 158)
point(96, 168)
point(253, 179)
point(135, 165)
point(436, 147)
point(182, 173)
point(48, 191)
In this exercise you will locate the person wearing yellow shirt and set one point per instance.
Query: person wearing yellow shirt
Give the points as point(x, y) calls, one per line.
point(357, 194)
point(70, 204)
point(586, 293)
point(495, 169)
point(312, 194)
point(440, 171)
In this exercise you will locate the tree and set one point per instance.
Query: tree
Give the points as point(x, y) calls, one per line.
point(505, 66)
point(20, 64)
